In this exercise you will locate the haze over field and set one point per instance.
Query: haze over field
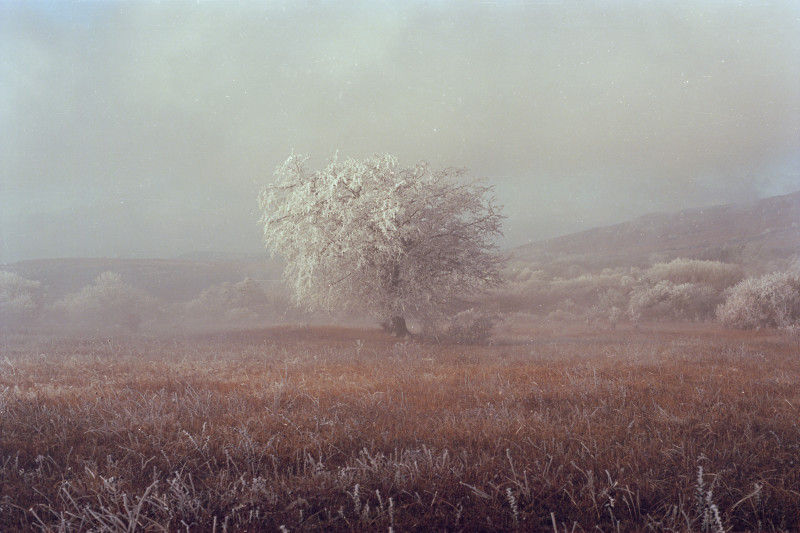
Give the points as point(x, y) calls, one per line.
point(138, 129)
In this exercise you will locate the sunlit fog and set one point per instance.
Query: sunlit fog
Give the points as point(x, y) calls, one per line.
point(146, 129)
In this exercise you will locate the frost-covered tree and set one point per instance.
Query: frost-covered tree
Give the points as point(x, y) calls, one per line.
point(673, 301)
point(245, 301)
point(373, 236)
point(20, 299)
point(772, 300)
point(470, 327)
point(108, 302)
point(715, 274)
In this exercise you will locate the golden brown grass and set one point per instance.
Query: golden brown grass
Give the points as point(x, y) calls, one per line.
point(344, 429)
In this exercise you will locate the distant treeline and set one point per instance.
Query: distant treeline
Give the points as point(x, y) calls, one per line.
point(682, 289)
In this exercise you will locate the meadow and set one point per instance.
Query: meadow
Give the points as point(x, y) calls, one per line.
point(666, 428)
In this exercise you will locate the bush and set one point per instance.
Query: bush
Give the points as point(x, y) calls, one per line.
point(715, 274)
point(670, 301)
point(108, 302)
point(769, 301)
point(681, 289)
point(20, 299)
point(470, 327)
point(522, 272)
point(542, 295)
point(244, 301)
point(609, 306)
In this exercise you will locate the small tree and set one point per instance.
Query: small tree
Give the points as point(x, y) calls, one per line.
point(372, 236)
point(245, 300)
point(20, 299)
point(470, 327)
point(718, 275)
point(670, 301)
point(772, 300)
point(108, 303)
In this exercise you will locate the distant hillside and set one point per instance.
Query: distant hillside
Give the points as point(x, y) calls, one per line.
point(747, 233)
point(752, 233)
point(169, 279)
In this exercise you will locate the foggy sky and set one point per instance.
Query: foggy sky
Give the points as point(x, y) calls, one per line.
point(147, 129)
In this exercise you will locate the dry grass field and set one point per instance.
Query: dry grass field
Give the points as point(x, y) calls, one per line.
point(672, 428)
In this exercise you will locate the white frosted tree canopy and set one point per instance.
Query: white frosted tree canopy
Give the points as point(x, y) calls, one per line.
point(374, 237)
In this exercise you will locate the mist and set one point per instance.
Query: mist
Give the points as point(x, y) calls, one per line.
point(231, 298)
point(145, 129)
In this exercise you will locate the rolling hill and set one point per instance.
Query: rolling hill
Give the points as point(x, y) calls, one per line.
point(754, 232)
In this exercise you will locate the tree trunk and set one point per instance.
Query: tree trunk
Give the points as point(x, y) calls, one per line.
point(396, 325)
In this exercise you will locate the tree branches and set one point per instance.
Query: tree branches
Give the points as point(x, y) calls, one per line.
point(372, 236)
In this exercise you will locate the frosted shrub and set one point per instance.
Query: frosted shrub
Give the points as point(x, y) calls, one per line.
point(682, 289)
point(614, 315)
point(584, 295)
point(470, 327)
point(244, 301)
point(769, 301)
point(521, 272)
point(108, 302)
point(671, 301)
point(20, 298)
point(712, 273)
point(610, 304)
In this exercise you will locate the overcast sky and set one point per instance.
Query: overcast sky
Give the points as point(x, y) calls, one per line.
point(146, 129)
